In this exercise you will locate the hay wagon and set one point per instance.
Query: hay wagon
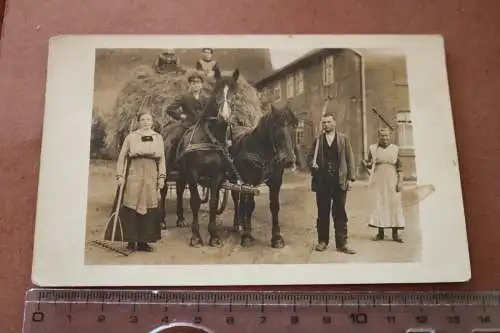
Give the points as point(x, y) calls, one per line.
point(151, 89)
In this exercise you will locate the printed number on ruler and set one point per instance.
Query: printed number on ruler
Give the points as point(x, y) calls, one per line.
point(139, 311)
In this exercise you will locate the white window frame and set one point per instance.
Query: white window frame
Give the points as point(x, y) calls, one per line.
point(277, 91)
point(299, 82)
point(328, 70)
point(299, 137)
point(405, 135)
point(290, 85)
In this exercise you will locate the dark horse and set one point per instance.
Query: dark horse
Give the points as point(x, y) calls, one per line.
point(261, 155)
point(199, 158)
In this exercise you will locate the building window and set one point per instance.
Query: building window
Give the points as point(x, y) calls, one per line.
point(300, 132)
point(277, 92)
point(289, 86)
point(328, 75)
point(405, 129)
point(299, 82)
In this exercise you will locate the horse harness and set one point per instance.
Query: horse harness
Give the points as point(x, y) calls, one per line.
point(260, 162)
point(256, 158)
point(215, 145)
point(223, 148)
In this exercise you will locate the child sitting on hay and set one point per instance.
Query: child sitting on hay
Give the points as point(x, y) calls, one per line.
point(206, 64)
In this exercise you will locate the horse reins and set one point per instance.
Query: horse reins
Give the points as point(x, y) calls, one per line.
point(199, 120)
point(213, 139)
point(224, 151)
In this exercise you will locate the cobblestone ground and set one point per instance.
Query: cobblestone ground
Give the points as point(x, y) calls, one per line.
point(297, 216)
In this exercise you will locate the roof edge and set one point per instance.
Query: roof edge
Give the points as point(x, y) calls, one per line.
point(299, 60)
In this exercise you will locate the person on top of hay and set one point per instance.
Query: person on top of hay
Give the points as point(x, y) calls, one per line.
point(386, 185)
point(206, 64)
point(167, 61)
point(142, 178)
point(186, 110)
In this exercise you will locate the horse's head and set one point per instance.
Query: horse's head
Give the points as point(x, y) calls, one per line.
point(283, 129)
point(224, 87)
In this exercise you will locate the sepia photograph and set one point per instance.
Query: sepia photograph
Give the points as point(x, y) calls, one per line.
point(250, 160)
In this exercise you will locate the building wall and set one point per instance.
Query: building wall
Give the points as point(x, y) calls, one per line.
point(346, 106)
point(347, 102)
point(386, 86)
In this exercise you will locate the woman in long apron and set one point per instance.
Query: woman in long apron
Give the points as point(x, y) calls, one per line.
point(142, 179)
point(386, 185)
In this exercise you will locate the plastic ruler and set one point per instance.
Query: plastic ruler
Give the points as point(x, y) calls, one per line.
point(165, 311)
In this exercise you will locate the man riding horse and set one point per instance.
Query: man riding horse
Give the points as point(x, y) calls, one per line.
point(200, 141)
point(186, 110)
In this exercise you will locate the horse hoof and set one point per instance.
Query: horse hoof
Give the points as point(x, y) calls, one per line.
point(196, 242)
point(277, 242)
point(247, 241)
point(181, 223)
point(215, 242)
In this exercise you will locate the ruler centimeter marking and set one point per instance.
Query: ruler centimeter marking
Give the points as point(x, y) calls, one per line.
point(64, 311)
point(269, 298)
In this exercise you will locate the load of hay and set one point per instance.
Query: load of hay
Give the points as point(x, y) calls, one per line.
point(161, 89)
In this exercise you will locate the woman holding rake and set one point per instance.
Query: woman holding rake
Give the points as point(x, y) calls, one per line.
point(141, 171)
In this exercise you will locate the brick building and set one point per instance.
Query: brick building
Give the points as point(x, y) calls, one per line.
point(307, 82)
point(368, 91)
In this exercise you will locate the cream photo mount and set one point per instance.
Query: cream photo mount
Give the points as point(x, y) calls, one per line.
point(60, 230)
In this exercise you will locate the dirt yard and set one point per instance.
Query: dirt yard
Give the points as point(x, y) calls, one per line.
point(297, 216)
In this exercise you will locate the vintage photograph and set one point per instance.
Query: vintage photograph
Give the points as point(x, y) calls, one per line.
point(258, 157)
point(321, 196)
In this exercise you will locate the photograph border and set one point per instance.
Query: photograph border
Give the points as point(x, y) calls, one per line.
point(59, 244)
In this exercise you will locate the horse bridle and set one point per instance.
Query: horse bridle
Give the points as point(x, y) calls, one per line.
point(213, 118)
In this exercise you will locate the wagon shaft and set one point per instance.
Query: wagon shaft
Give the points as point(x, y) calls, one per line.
point(241, 188)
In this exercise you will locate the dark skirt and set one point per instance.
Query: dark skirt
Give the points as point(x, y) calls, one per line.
point(136, 227)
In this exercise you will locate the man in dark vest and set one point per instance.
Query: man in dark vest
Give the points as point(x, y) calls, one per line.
point(332, 168)
point(186, 110)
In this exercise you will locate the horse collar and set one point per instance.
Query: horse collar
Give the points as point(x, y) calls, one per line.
point(260, 163)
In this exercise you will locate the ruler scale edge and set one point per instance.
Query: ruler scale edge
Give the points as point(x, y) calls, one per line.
point(179, 295)
point(243, 304)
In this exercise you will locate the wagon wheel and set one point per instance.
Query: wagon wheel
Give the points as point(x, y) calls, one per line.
point(222, 201)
